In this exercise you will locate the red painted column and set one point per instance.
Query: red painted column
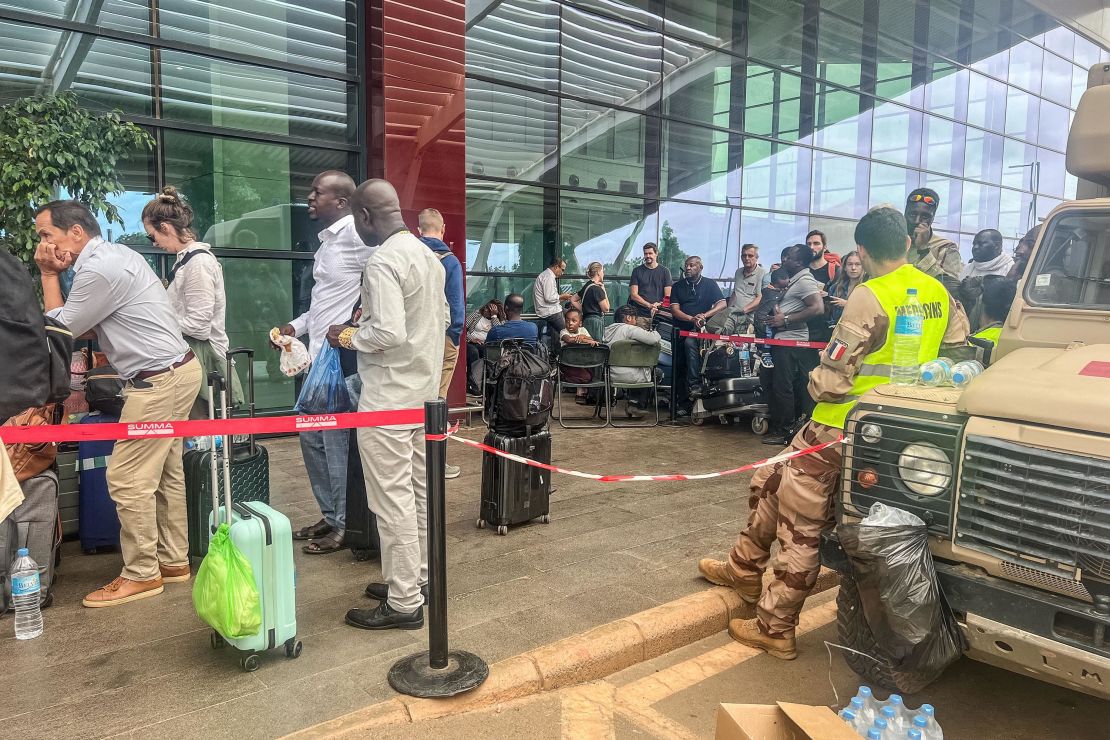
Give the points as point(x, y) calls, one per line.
point(417, 103)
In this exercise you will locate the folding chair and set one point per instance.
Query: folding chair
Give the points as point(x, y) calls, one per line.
point(628, 353)
point(590, 358)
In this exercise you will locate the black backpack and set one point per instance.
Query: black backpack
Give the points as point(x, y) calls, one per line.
point(37, 350)
point(524, 390)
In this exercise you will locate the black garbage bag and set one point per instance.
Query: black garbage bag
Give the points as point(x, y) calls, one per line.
point(914, 631)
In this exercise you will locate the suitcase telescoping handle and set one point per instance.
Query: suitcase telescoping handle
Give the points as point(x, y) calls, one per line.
point(214, 384)
point(226, 457)
point(249, 352)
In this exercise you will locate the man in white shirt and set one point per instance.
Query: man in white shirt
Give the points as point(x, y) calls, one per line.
point(118, 297)
point(549, 301)
point(399, 340)
point(747, 288)
point(337, 271)
point(625, 326)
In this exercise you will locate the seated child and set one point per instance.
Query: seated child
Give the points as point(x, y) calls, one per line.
point(575, 333)
point(768, 301)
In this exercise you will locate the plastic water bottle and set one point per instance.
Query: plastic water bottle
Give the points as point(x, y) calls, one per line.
point(874, 734)
point(894, 721)
point(25, 596)
point(932, 727)
point(915, 735)
point(966, 371)
point(882, 726)
point(870, 706)
point(937, 372)
point(849, 717)
point(921, 725)
point(901, 719)
point(908, 326)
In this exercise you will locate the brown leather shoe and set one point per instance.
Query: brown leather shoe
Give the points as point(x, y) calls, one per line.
point(174, 573)
point(747, 632)
point(121, 591)
point(717, 571)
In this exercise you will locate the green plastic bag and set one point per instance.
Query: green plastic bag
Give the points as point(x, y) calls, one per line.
point(224, 593)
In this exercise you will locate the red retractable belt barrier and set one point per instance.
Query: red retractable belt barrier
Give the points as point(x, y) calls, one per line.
point(751, 339)
point(210, 428)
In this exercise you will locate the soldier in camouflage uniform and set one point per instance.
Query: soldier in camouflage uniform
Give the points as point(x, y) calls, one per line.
point(933, 255)
point(793, 501)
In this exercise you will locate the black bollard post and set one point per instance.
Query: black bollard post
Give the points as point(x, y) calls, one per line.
point(437, 672)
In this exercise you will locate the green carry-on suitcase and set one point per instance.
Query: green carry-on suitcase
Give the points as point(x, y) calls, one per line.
point(265, 538)
point(250, 472)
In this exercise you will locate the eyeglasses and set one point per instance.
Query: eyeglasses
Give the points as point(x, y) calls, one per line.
point(927, 199)
point(151, 237)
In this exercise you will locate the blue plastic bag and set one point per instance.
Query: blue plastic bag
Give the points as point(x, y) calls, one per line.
point(324, 390)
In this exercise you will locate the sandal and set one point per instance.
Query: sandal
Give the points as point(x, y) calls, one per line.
point(330, 542)
point(319, 529)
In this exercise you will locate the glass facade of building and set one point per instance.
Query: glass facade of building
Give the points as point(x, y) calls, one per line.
point(594, 126)
point(247, 102)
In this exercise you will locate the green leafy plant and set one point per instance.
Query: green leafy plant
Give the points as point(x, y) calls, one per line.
point(51, 144)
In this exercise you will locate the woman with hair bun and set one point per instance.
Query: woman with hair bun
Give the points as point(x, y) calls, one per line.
point(195, 286)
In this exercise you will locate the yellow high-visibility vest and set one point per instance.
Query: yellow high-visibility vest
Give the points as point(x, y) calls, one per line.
point(874, 371)
point(991, 332)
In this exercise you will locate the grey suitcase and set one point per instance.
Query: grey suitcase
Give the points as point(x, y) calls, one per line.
point(34, 524)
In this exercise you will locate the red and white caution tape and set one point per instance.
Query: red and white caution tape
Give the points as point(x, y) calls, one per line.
point(209, 428)
point(634, 478)
point(752, 339)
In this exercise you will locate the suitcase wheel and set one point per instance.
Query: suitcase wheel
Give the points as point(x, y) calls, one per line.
point(545, 519)
point(293, 648)
point(217, 640)
point(362, 555)
point(250, 663)
point(481, 524)
point(502, 530)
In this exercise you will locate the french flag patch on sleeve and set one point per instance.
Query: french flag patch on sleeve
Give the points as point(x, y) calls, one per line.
point(836, 350)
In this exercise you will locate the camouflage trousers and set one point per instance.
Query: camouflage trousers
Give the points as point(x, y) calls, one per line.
point(793, 502)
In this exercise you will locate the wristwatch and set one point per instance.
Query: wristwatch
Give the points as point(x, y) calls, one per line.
point(786, 320)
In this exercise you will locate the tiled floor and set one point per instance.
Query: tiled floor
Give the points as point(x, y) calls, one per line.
point(146, 669)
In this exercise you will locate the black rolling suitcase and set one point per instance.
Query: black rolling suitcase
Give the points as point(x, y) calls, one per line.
point(250, 472)
point(361, 533)
point(513, 492)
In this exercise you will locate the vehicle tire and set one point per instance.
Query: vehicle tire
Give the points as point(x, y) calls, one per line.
point(760, 425)
point(854, 632)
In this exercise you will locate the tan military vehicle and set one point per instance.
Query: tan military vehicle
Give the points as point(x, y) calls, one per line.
point(1012, 475)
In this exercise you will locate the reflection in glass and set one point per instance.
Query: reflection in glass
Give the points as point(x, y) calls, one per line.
point(980, 207)
point(1057, 79)
point(1026, 60)
point(775, 32)
point(772, 232)
point(986, 103)
point(772, 103)
point(506, 230)
point(1050, 175)
point(518, 42)
point(1022, 111)
point(203, 90)
point(608, 230)
point(1052, 129)
point(248, 194)
point(643, 12)
point(710, 232)
point(594, 67)
point(708, 22)
point(111, 76)
point(942, 146)
point(1015, 212)
point(839, 125)
point(27, 51)
point(694, 164)
point(698, 83)
point(1018, 160)
point(264, 293)
point(136, 174)
point(602, 148)
point(947, 92)
point(839, 51)
point(510, 132)
point(896, 134)
point(776, 176)
point(840, 186)
point(983, 156)
point(891, 185)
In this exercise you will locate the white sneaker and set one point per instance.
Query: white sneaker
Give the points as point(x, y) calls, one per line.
point(452, 471)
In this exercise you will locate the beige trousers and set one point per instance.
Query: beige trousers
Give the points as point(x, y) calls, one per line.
point(450, 357)
point(146, 477)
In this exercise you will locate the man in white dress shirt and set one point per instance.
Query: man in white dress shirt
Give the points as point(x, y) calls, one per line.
point(337, 271)
point(549, 301)
point(399, 340)
point(118, 297)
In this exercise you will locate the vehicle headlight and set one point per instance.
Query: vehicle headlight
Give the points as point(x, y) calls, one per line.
point(925, 469)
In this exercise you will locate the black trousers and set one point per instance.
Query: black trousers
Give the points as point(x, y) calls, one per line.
point(789, 395)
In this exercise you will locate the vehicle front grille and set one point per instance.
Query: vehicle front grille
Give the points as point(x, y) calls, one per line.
point(1022, 500)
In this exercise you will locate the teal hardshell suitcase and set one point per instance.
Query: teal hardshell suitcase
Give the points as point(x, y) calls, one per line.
point(265, 538)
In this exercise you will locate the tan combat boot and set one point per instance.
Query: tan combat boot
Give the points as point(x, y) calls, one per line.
point(717, 571)
point(747, 632)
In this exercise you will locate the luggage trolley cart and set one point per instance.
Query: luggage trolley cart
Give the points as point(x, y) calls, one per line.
point(731, 388)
